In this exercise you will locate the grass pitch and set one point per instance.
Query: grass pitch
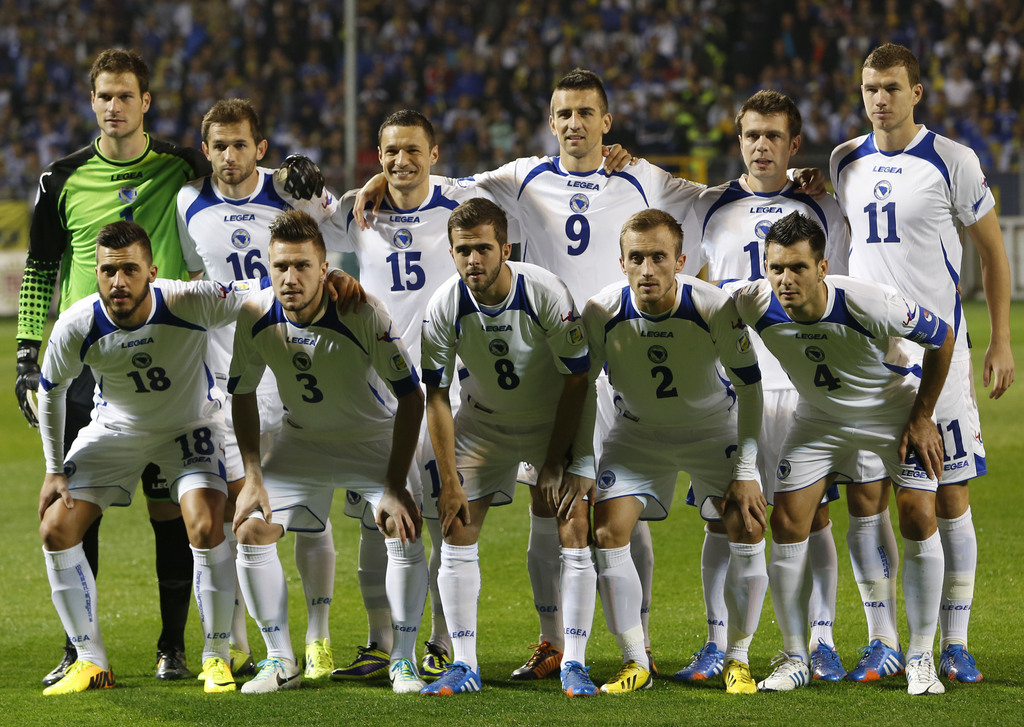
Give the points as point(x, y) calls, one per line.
point(129, 615)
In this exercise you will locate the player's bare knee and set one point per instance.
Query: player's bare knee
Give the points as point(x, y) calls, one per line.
point(608, 536)
point(821, 518)
point(786, 528)
point(917, 515)
point(952, 501)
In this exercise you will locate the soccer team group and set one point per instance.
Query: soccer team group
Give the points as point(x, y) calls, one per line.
point(829, 348)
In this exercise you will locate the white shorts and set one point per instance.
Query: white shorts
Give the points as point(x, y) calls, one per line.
point(104, 463)
point(644, 461)
point(779, 410)
point(271, 414)
point(818, 446)
point(301, 475)
point(956, 413)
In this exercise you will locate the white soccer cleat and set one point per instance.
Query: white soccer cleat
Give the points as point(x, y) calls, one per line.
point(921, 676)
point(791, 672)
point(404, 678)
point(274, 675)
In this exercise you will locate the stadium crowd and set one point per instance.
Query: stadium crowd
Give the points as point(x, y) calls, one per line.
point(676, 72)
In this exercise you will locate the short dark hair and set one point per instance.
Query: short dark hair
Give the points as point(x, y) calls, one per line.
point(793, 229)
point(650, 219)
point(479, 211)
point(119, 61)
point(580, 79)
point(295, 226)
point(123, 234)
point(768, 102)
point(408, 117)
point(233, 111)
point(893, 55)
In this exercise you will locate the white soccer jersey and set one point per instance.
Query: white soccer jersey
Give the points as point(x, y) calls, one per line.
point(665, 370)
point(903, 209)
point(337, 376)
point(848, 365)
point(571, 221)
point(153, 378)
point(404, 256)
point(733, 223)
point(515, 354)
point(229, 238)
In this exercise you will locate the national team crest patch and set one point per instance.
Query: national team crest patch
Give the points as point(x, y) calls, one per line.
point(579, 203)
point(302, 361)
point(761, 228)
point(402, 239)
point(497, 347)
point(883, 189)
point(815, 354)
point(142, 360)
point(70, 468)
point(606, 480)
point(240, 238)
point(657, 354)
point(785, 468)
point(127, 194)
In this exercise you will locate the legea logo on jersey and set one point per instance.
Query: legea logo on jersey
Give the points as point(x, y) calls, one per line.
point(302, 361)
point(606, 479)
point(142, 360)
point(784, 469)
point(402, 239)
point(815, 354)
point(883, 189)
point(575, 335)
point(761, 228)
point(127, 195)
point(579, 203)
point(498, 347)
point(657, 354)
point(240, 238)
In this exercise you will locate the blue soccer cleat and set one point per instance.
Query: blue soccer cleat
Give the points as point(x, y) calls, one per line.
point(957, 664)
point(460, 677)
point(826, 664)
point(876, 661)
point(576, 681)
point(706, 663)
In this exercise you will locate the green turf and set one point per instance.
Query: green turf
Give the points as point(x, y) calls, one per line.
point(128, 609)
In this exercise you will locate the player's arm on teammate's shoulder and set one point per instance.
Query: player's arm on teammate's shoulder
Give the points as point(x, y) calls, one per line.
point(921, 434)
point(344, 290)
point(397, 504)
point(987, 236)
point(452, 503)
point(809, 180)
point(617, 158)
point(372, 193)
point(245, 415)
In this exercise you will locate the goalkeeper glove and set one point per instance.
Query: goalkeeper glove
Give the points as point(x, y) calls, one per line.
point(27, 381)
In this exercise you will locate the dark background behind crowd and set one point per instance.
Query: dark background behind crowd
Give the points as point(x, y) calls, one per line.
point(676, 71)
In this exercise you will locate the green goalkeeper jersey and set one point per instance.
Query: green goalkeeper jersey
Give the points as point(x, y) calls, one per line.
point(81, 193)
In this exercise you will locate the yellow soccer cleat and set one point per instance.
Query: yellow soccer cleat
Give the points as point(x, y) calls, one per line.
point(319, 661)
point(630, 678)
point(737, 678)
point(218, 676)
point(80, 676)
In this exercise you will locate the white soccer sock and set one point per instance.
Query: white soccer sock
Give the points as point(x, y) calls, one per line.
point(823, 561)
point(266, 594)
point(791, 586)
point(438, 626)
point(960, 551)
point(714, 563)
point(213, 582)
point(458, 580)
point(875, 560)
point(745, 586)
point(619, 584)
point(579, 598)
point(544, 567)
point(239, 634)
point(922, 591)
point(372, 574)
point(315, 559)
point(407, 592)
point(73, 591)
point(641, 548)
